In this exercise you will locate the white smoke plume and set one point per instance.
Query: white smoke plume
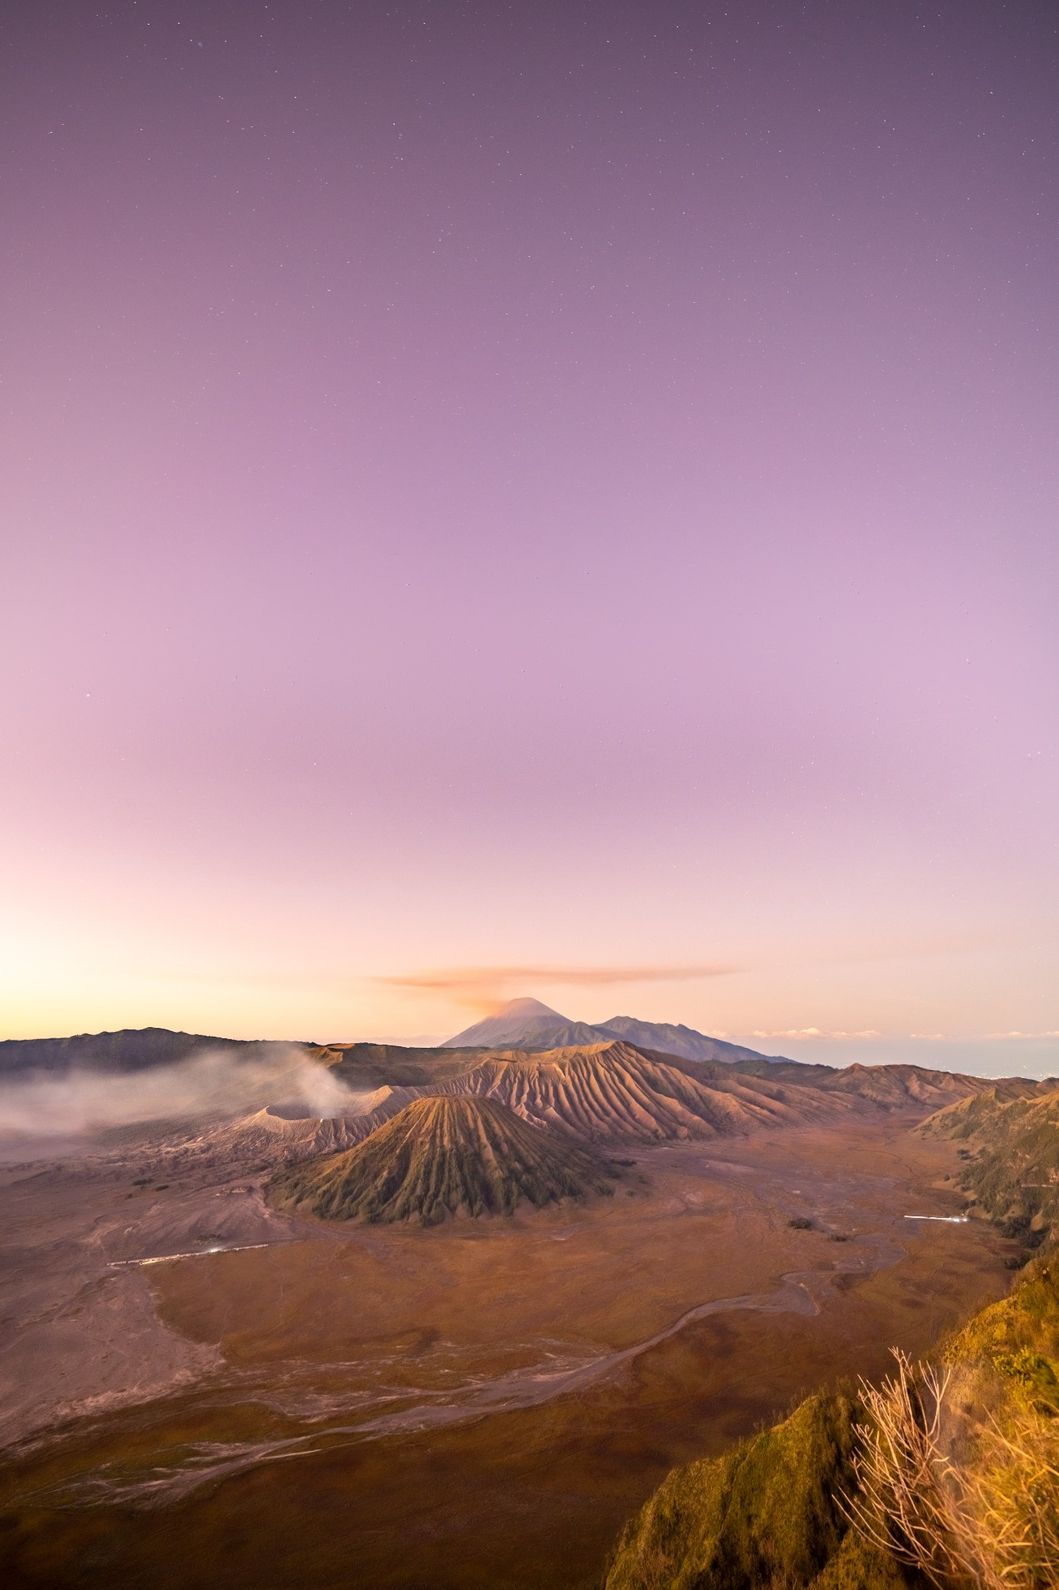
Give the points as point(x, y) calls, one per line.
point(81, 1103)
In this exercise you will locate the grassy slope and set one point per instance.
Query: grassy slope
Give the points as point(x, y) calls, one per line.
point(1017, 1339)
point(763, 1514)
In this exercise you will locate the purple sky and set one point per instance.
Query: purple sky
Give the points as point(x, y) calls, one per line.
point(510, 492)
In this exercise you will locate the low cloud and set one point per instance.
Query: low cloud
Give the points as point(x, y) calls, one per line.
point(212, 1083)
point(485, 985)
point(1031, 1036)
point(917, 1037)
point(816, 1032)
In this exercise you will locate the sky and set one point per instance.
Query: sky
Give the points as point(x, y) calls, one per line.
point(552, 499)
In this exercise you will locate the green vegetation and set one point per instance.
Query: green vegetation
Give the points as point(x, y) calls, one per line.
point(763, 1514)
point(945, 1475)
point(958, 1470)
point(440, 1157)
point(1018, 1338)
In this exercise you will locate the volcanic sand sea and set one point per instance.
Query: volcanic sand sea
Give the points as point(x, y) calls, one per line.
point(484, 1403)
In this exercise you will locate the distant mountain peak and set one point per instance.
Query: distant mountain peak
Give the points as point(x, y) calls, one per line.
point(529, 1024)
point(525, 1024)
point(674, 1038)
point(528, 1007)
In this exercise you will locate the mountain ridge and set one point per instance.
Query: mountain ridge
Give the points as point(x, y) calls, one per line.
point(685, 1042)
point(531, 1025)
point(613, 1091)
point(126, 1049)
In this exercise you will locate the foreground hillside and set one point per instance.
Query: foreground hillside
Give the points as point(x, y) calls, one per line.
point(441, 1157)
point(945, 1475)
point(764, 1514)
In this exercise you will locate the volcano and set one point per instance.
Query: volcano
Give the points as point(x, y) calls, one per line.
point(441, 1157)
point(528, 1024)
point(525, 1024)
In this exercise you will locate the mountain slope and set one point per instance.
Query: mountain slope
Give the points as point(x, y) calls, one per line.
point(762, 1514)
point(674, 1038)
point(441, 1157)
point(615, 1092)
point(906, 1088)
point(903, 1086)
point(978, 1111)
point(1014, 1174)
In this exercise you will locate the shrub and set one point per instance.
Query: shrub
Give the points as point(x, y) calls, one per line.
point(989, 1519)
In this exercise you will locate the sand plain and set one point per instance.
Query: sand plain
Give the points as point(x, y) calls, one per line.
point(477, 1404)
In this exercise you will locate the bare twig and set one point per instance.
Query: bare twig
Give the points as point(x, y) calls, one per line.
point(989, 1520)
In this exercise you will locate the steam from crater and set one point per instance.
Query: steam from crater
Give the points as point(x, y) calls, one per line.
point(82, 1103)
